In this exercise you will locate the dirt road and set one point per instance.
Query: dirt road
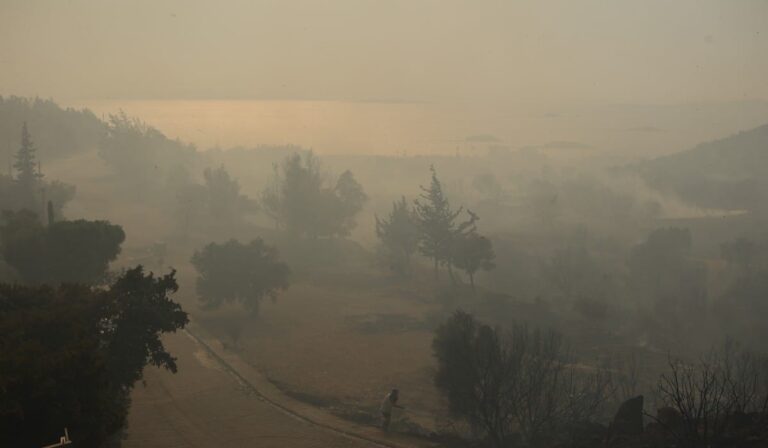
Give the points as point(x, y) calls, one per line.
point(206, 405)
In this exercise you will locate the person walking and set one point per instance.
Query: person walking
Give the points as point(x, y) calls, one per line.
point(390, 401)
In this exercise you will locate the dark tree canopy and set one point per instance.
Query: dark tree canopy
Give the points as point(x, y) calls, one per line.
point(471, 253)
point(244, 273)
point(70, 355)
point(66, 251)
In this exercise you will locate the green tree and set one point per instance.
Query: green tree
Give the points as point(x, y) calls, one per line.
point(437, 223)
point(305, 205)
point(245, 273)
point(27, 173)
point(139, 309)
point(399, 236)
point(350, 197)
point(472, 252)
point(71, 355)
point(224, 201)
point(301, 194)
point(25, 188)
point(140, 156)
point(66, 251)
point(271, 200)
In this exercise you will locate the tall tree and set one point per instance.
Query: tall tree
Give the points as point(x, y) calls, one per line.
point(27, 169)
point(225, 203)
point(399, 236)
point(350, 197)
point(301, 194)
point(436, 221)
point(271, 200)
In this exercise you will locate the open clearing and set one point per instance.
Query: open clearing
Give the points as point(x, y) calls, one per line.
point(342, 349)
point(204, 406)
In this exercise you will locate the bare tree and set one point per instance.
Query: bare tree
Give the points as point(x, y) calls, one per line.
point(709, 392)
point(522, 381)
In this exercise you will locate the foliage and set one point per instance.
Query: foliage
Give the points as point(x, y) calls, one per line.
point(217, 201)
point(66, 251)
point(70, 355)
point(729, 173)
point(399, 236)
point(140, 155)
point(446, 241)
point(350, 197)
point(437, 222)
point(472, 252)
point(25, 187)
point(239, 272)
point(503, 382)
point(59, 132)
point(304, 205)
point(223, 193)
point(27, 173)
point(139, 310)
point(270, 198)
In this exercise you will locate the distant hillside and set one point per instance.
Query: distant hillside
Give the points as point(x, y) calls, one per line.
point(730, 173)
point(56, 132)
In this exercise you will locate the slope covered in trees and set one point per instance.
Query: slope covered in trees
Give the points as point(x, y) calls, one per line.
point(730, 173)
point(59, 132)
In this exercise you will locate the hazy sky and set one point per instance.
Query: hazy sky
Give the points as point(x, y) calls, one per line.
point(632, 51)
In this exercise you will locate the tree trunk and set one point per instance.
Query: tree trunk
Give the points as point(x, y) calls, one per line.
point(472, 280)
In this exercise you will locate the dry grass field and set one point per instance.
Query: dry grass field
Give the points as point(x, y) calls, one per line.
point(341, 349)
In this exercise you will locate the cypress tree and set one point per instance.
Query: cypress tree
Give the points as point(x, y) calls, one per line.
point(27, 174)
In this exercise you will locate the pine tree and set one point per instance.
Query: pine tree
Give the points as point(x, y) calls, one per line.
point(25, 165)
point(27, 173)
point(351, 197)
point(436, 222)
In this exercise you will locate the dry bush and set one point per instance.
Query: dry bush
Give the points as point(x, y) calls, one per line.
point(521, 383)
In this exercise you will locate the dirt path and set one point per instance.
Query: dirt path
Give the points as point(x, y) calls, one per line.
point(218, 400)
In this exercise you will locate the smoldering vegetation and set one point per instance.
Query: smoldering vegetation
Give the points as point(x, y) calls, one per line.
point(515, 297)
